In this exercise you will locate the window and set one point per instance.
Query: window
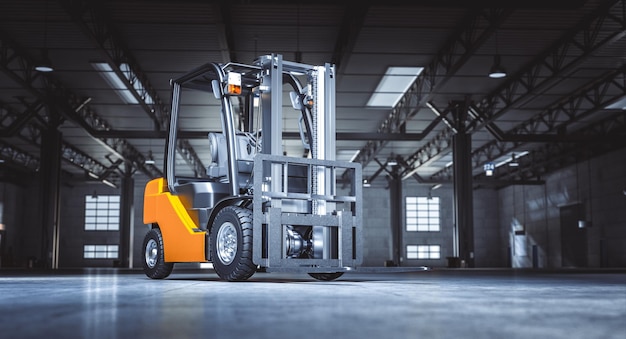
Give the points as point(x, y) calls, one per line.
point(423, 252)
point(100, 251)
point(422, 214)
point(102, 213)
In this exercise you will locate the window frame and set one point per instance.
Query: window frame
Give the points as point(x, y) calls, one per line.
point(423, 252)
point(422, 214)
point(102, 213)
point(101, 251)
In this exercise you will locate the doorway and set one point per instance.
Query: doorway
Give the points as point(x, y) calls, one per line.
point(573, 238)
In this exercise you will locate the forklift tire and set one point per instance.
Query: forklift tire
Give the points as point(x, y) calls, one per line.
point(154, 265)
point(326, 276)
point(231, 244)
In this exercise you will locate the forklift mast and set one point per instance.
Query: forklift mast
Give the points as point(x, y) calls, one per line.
point(255, 207)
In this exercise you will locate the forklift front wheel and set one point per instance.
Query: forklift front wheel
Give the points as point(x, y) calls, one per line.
point(154, 265)
point(231, 244)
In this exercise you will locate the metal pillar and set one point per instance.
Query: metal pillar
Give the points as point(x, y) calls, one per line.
point(395, 207)
point(50, 185)
point(127, 218)
point(463, 191)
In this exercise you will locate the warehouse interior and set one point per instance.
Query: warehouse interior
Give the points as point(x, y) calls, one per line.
point(492, 139)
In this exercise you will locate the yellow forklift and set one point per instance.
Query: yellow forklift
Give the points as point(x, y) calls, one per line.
point(255, 208)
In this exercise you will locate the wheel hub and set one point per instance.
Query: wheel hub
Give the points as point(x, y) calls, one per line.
point(226, 243)
point(151, 253)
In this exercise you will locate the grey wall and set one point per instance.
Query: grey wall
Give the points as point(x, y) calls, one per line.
point(534, 211)
point(376, 226)
point(15, 243)
point(595, 188)
point(73, 236)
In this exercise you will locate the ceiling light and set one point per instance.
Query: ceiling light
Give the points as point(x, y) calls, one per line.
point(108, 183)
point(150, 160)
point(513, 162)
point(510, 158)
point(393, 85)
point(45, 65)
point(497, 71)
point(366, 183)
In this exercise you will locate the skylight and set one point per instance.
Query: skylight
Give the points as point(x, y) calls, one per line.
point(105, 70)
point(393, 85)
point(619, 104)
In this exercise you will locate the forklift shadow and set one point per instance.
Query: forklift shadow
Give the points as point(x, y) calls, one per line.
point(296, 278)
point(262, 277)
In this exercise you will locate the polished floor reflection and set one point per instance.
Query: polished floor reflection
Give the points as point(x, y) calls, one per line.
point(195, 304)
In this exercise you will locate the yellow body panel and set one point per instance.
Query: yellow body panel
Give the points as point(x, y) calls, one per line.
point(180, 242)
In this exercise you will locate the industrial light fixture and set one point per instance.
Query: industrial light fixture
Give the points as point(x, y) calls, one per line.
point(513, 162)
point(366, 183)
point(392, 161)
point(393, 85)
point(511, 159)
point(45, 65)
point(108, 183)
point(150, 160)
point(497, 71)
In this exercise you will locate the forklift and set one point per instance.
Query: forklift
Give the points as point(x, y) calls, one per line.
point(254, 208)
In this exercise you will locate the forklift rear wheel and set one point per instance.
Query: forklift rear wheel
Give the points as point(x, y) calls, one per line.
point(326, 276)
point(231, 244)
point(154, 264)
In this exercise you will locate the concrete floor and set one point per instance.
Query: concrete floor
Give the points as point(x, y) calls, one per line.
point(464, 303)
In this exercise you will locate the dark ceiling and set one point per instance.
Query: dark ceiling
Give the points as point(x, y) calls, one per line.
point(562, 101)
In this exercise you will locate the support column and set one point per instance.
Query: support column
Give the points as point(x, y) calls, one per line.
point(463, 190)
point(50, 187)
point(127, 218)
point(395, 208)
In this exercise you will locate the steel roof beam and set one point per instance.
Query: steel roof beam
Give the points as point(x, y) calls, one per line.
point(15, 156)
point(226, 36)
point(31, 132)
point(473, 32)
point(556, 118)
point(89, 16)
point(17, 66)
point(559, 60)
point(353, 19)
